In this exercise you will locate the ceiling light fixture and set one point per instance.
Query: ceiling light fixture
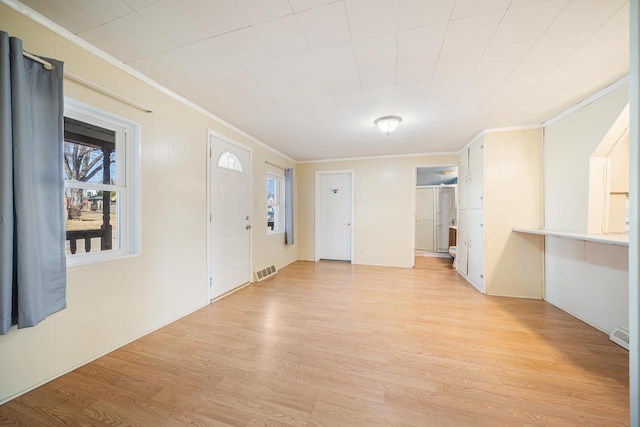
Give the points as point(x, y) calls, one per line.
point(388, 124)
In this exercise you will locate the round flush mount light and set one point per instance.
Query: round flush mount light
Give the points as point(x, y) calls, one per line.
point(388, 124)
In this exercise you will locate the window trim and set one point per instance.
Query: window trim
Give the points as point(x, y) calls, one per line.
point(280, 218)
point(127, 181)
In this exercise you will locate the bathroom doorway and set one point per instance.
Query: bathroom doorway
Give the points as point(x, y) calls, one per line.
point(435, 216)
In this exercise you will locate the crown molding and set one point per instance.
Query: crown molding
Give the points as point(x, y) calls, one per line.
point(387, 156)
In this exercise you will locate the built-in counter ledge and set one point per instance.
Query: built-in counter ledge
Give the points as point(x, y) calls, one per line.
point(609, 239)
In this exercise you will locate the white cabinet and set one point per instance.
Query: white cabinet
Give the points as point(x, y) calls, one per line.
point(475, 269)
point(462, 242)
point(470, 215)
point(463, 181)
point(476, 175)
point(501, 187)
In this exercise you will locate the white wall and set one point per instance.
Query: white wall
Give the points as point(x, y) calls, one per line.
point(588, 280)
point(111, 303)
point(568, 145)
point(383, 216)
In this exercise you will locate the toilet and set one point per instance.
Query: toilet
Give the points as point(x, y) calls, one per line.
point(453, 250)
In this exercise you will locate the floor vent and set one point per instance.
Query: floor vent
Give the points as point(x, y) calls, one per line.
point(620, 337)
point(266, 273)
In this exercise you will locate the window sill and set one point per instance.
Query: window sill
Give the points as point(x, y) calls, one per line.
point(96, 258)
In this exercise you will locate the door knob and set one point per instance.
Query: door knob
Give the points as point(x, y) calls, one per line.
point(248, 227)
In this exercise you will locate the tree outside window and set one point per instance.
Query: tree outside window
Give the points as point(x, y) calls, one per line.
point(275, 204)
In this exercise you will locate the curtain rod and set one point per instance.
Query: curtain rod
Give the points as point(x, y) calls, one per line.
point(107, 92)
point(275, 166)
point(49, 66)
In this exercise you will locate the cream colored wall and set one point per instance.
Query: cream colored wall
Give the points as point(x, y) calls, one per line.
point(270, 249)
point(568, 145)
point(513, 198)
point(618, 170)
point(383, 216)
point(111, 303)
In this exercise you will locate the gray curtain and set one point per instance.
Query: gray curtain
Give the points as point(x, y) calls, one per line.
point(288, 206)
point(32, 233)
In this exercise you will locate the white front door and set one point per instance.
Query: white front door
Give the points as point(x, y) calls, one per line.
point(333, 215)
point(425, 219)
point(230, 193)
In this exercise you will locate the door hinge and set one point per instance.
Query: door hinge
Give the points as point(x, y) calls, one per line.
point(210, 217)
point(210, 281)
point(210, 152)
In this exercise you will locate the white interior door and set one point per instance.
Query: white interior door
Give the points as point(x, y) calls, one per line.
point(425, 219)
point(333, 216)
point(230, 192)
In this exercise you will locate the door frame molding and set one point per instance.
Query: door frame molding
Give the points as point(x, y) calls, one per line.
point(317, 215)
point(208, 145)
point(415, 188)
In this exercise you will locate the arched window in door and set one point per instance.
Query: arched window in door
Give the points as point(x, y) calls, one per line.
point(228, 160)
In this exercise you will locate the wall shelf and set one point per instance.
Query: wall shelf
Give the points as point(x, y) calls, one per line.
point(609, 239)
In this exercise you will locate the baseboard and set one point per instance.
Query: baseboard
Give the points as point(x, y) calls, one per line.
point(232, 291)
point(433, 254)
point(593, 325)
point(470, 282)
point(74, 367)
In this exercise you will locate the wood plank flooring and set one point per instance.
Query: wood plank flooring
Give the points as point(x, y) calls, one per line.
point(433, 263)
point(331, 344)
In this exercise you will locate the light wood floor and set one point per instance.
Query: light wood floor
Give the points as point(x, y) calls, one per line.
point(433, 263)
point(331, 344)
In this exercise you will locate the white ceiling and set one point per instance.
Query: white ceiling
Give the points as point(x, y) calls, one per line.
point(309, 77)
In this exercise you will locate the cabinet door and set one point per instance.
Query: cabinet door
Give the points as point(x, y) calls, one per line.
point(476, 179)
point(475, 270)
point(463, 241)
point(463, 180)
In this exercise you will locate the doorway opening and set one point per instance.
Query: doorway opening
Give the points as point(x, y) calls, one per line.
point(435, 217)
